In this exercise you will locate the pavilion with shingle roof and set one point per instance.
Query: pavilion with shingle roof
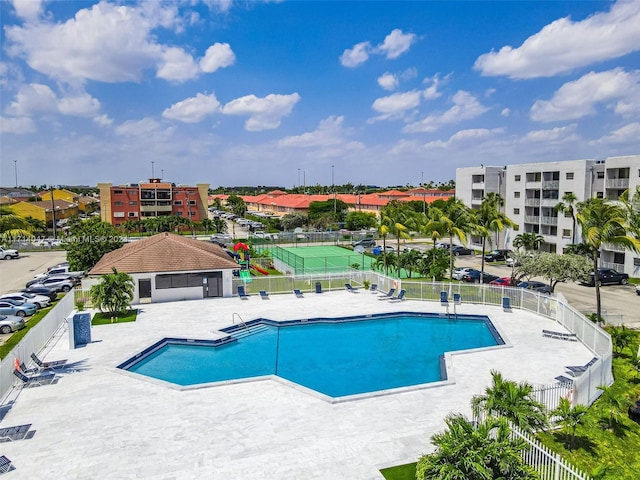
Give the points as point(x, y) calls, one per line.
point(168, 267)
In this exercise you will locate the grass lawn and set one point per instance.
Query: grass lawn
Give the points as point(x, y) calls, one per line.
point(401, 472)
point(105, 318)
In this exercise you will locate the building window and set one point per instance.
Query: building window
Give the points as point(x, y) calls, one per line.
point(118, 214)
point(180, 280)
point(118, 204)
point(569, 175)
point(133, 214)
point(177, 202)
point(192, 202)
point(601, 174)
point(516, 228)
point(516, 194)
point(636, 262)
point(516, 211)
point(566, 233)
point(516, 178)
point(600, 195)
point(132, 192)
point(117, 192)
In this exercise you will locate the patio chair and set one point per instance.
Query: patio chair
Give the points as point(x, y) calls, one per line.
point(399, 297)
point(563, 379)
point(444, 298)
point(20, 432)
point(388, 295)
point(242, 293)
point(48, 365)
point(264, 295)
point(373, 288)
point(298, 293)
point(577, 370)
point(36, 380)
point(350, 288)
point(560, 335)
point(457, 299)
point(5, 465)
point(506, 304)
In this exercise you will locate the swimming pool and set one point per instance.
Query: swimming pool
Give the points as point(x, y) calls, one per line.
point(334, 356)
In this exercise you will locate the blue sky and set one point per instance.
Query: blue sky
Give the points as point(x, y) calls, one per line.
point(282, 93)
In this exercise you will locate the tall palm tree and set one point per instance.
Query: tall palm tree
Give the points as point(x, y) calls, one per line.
point(528, 241)
point(566, 206)
point(569, 417)
point(410, 261)
point(13, 225)
point(474, 452)
point(603, 222)
point(454, 222)
point(514, 401)
point(489, 219)
point(399, 218)
point(383, 230)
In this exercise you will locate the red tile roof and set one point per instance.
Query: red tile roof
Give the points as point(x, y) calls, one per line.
point(165, 252)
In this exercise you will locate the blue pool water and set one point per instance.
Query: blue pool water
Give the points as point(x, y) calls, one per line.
point(337, 358)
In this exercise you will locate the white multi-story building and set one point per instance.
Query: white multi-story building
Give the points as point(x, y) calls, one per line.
point(532, 192)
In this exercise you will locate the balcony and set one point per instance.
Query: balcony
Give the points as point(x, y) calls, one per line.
point(619, 183)
point(532, 219)
point(550, 184)
point(533, 185)
point(549, 220)
point(616, 266)
point(155, 208)
point(532, 202)
point(477, 185)
point(613, 248)
point(476, 201)
point(549, 202)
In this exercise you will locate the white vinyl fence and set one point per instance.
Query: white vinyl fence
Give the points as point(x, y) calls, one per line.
point(34, 341)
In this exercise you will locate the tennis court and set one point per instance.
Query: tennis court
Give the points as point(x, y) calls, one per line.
point(318, 259)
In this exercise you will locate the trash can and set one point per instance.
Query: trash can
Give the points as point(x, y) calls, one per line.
point(318, 287)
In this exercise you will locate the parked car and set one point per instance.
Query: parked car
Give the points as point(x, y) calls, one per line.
point(8, 253)
point(40, 301)
point(537, 286)
point(60, 272)
point(638, 289)
point(460, 272)
point(60, 284)
point(365, 242)
point(72, 277)
point(502, 281)
point(52, 293)
point(608, 276)
point(474, 277)
point(460, 250)
point(12, 307)
point(497, 255)
point(58, 265)
point(11, 323)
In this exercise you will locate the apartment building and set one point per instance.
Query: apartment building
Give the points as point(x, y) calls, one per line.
point(532, 191)
point(137, 201)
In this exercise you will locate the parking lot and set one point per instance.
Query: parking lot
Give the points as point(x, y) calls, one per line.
point(15, 273)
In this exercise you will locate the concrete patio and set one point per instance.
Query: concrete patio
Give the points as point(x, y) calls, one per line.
point(98, 422)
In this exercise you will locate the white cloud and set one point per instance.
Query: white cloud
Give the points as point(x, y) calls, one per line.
point(505, 112)
point(139, 128)
point(80, 105)
point(565, 45)
point(219, 5)
point(388, 81)
point(17, 125)
point(553, 135)
point(396, 43)
point(394, 105)
point(328, 133)
point(33, 98)
point(628, 134)
point(217, 56)
point(194, 109)
point(578, 98)
point(102, 120)
point(352, 57)
point(264, 113)
point(27, 9)
point(431, 91)
point(177, 65)
point(465, 107)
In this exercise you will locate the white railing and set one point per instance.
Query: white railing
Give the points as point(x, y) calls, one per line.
point(550, 184)
point(532, 202)
point(549, 220)
point(548, 465)
point(34, 341)
point(617, 183)
point(616, 266)
point(532, 219)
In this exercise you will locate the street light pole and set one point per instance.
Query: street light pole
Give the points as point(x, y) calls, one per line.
point(152, 174)
point(15, 169)
point(424, 200)
point(333, 187)
point(53, 214)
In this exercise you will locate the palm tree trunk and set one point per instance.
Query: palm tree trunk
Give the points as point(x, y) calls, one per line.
point(573, 232)
point(482, 267)
point(596, 282)
point(450, 257)
point(398, 254)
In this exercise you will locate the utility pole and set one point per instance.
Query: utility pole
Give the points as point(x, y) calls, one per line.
point(152, 173)
point(53, 214)
point(424, 200)
point(333, 187)
point(15, 169)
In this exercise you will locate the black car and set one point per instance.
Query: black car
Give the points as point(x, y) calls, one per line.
point(460, 250)
point(609, 276)
point(473, 276)
point(49, 292)
point(497, 255)
point(365, 242)
point(537, 286)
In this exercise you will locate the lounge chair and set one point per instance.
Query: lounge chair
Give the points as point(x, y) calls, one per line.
point(577, 370)
point(48, 365)
point(11, 434)
point(298, 293)
point(373, 288)
point(388, 295)
point(457, 299)
point(560, 335)
point(36, 380)
point(506, 304)
point(5, 465)
point(242, 293)
point(399, 297)
point(350, 288)
point(23, 368)
point(264, 295)
point(444, 298)
point(563, 379)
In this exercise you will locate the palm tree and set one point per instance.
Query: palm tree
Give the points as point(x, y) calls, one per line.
point(13, 225)
point(455, 222)
point(114, 293)
point(475, 452)
point(569, 417)
point(566, 206)
point(603, 222)
point(528, 241)
point(398, 217)
point(383, 230)
point(410, 261)
point(514, 401)
point(489, 219)
point(611, 404)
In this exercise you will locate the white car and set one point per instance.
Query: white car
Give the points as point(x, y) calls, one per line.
point(11, 323)
point(40, 301)
point(460, 272)
point(8, 253)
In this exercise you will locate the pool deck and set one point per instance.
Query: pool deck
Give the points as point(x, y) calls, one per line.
point(98, 422)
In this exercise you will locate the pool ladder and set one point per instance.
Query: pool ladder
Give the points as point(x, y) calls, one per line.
point(233, 320)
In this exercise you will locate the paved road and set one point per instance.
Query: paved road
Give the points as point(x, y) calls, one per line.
point(15, 273)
